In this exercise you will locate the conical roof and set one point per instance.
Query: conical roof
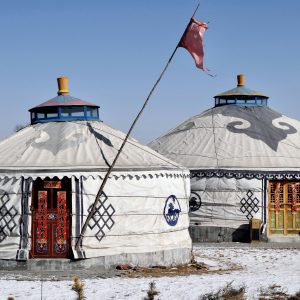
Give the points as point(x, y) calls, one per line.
point(236, 138)
point(63, 100)
point(76, 146)
point(240, 90)
point(64, 107)
point(59, 142)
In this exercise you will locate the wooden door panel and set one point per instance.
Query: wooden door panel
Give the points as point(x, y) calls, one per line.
point(61, 226)
point(42, 224)
point(51, 219)
point(284, 208)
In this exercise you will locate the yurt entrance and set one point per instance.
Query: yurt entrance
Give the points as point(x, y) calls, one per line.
point(51, 220)
point(284, 208)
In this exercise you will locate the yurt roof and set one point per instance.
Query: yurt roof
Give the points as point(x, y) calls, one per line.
point(74, 144)
point(240, 91)
point(65, 100)
point(234, 137)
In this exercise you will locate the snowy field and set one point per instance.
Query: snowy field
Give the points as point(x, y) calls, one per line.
point(253, 267)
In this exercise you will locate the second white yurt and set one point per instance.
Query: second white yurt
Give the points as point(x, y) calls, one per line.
point(244, 159)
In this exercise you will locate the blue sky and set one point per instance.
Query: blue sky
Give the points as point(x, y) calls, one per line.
point(113, 52)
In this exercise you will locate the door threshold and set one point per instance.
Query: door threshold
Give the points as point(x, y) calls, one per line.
point(48, 264)
point(284, 239)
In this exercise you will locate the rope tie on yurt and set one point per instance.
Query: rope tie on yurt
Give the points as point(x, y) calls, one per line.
point(95, 130)
point(94, 133)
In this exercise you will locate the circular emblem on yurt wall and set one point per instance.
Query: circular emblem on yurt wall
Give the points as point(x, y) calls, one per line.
point(195, 201)
point(172, 210)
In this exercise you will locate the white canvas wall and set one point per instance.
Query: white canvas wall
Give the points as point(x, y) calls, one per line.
point(221, 201)
point(136, 208)
point(133, 211)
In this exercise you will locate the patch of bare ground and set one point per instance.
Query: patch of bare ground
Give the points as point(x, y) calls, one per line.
point(181, 270)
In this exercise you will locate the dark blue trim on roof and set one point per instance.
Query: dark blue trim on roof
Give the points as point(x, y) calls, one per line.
point(248, 174)
point(64, 119)
point(249, 101)
point(64, 114)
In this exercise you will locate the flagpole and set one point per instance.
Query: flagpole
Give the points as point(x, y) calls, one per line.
point(195, 10)
point(93, 209)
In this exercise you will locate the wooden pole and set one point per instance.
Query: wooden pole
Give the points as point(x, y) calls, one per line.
point(93, 209)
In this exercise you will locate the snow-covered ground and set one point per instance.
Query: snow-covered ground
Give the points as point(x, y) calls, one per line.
point(253, 267)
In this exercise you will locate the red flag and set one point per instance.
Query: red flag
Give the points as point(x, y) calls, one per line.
point(192, 41)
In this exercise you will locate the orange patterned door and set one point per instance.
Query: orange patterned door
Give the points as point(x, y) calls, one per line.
point(284, 208)
point(51, 218)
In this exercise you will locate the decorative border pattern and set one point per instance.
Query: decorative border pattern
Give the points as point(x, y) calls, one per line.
point(294, 198)
point(60, 245)
point(22, 253)
point(77, 205)
point(7, 217)
point(239, 174)
point(52, 184)
point(277, 196)
point(102, 220)
point(249, 205)
point(42, 228)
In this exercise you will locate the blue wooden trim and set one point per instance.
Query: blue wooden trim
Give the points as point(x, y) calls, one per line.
point(64, 119)
point(61, 118)
point(242, 102)
point(59, 112)
point(85, 111)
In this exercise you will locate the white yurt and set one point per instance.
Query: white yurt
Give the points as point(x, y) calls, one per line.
point(50, 173)
point(244, 160)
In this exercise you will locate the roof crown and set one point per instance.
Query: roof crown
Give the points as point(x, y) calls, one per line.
point(241, 95)
point(64, 107)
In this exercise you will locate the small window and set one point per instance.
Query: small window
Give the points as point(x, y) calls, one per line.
point(72, 111)
point(239, 101)
point(52, 115)
point(92, 112)
point(65, 112)
point(40, 115)
point(95, 112)
point(230, 101)
point(251, 101)
point(77, 114)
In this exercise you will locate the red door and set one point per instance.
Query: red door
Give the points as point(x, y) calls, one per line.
point(51, 218)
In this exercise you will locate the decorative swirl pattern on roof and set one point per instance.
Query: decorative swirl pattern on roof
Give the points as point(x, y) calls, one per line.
point(261, 127)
